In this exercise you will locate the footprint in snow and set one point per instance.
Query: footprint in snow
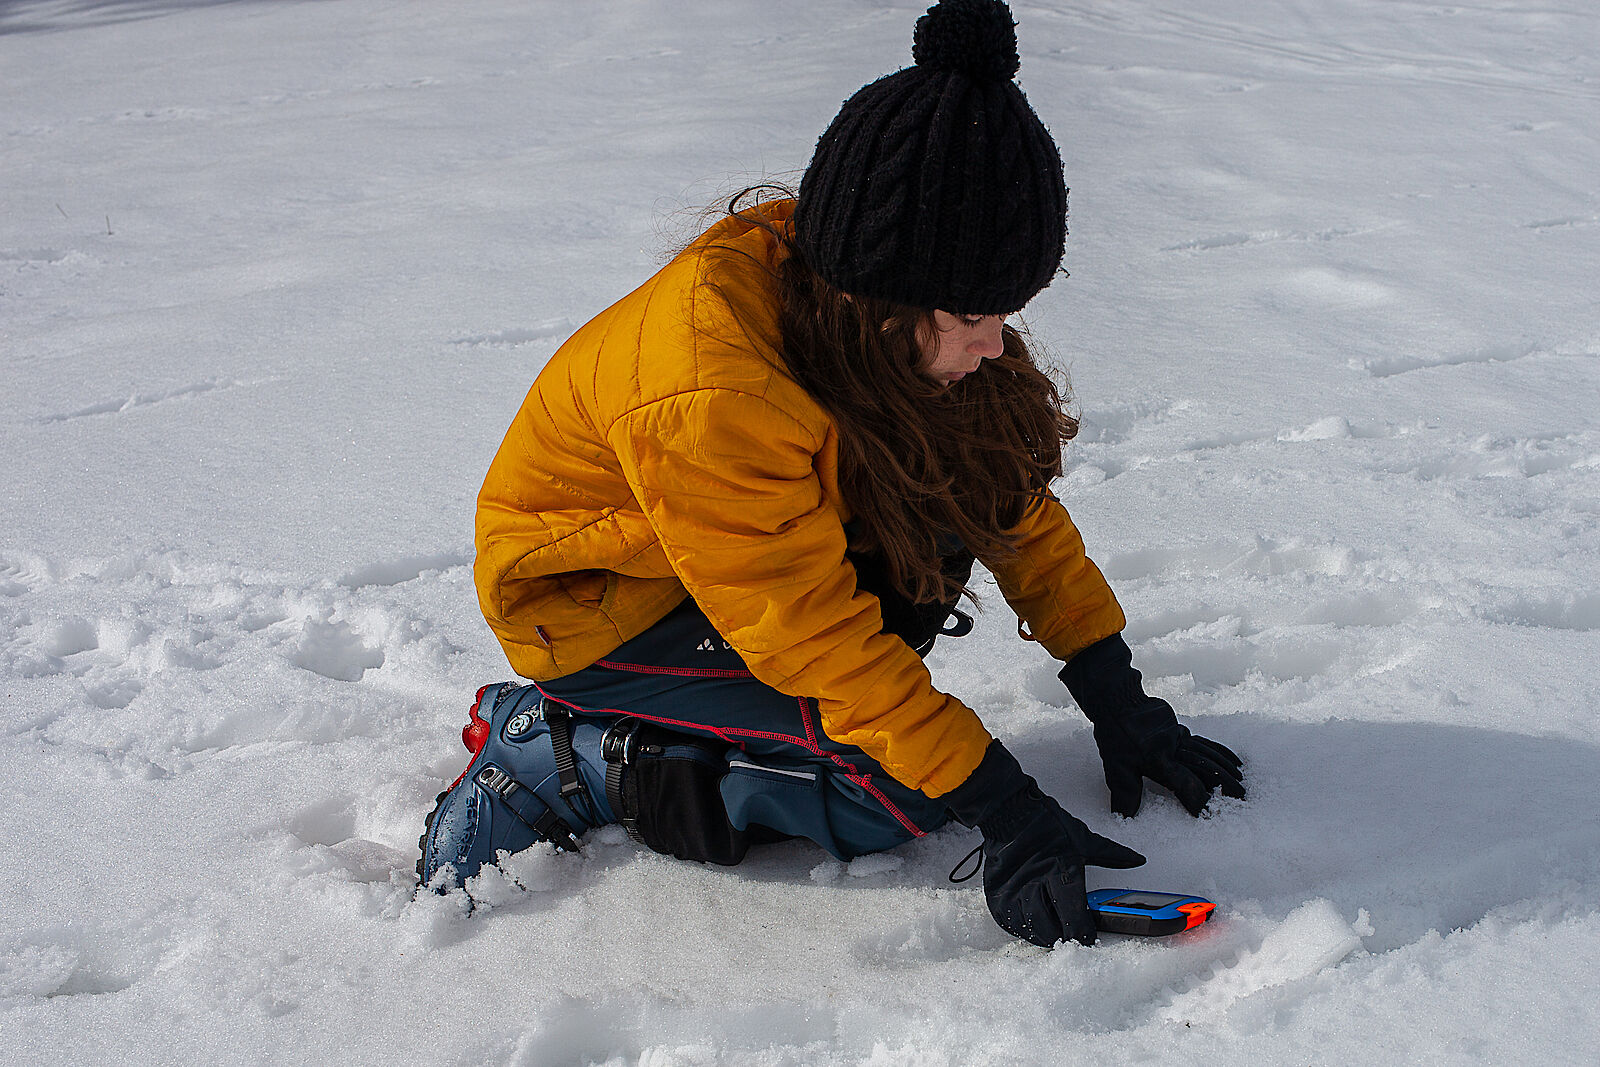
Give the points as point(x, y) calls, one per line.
point(32, 256)
point(518, 336)
point(24, 573)
point(1265, 557)
point(1391, 366)
point(404, 569)
point(139, 399)
point(367, 838)
point(1578, 611)
point(78, 960)
point(334, 650)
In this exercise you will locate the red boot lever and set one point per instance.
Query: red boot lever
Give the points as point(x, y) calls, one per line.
point(476, 732)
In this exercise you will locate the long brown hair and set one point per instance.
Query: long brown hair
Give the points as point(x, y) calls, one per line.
point(919, 462)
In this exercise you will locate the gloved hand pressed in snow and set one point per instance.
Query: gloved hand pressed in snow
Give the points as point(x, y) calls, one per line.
point(1139, 737)
point(1034, 852)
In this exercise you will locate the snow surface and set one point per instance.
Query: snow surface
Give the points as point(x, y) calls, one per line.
point(275, 275)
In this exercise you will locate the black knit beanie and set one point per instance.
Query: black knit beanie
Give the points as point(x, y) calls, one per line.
point(937, 186)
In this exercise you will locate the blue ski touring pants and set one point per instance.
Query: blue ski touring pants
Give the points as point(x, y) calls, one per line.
point(784, 776)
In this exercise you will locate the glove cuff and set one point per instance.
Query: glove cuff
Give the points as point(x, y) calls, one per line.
point(987, 790)
point(1103, 680)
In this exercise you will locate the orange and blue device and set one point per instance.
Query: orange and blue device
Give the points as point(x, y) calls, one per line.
point(1134, 911)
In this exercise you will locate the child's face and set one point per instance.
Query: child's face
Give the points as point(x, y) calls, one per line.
point(958, 345)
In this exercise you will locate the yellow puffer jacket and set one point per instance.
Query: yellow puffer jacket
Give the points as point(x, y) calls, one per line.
point(664, 452)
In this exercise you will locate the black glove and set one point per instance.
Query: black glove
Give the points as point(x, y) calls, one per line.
point(1033, 852)
point(1139, 737)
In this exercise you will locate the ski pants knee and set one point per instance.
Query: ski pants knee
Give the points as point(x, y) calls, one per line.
point(784, 776)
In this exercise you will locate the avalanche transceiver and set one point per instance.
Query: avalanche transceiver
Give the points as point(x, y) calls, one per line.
point(1132, 911)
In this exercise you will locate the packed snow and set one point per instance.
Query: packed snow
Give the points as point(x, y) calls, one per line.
point(274, 277)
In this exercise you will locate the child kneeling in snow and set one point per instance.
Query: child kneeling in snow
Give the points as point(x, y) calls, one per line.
point(738, 507)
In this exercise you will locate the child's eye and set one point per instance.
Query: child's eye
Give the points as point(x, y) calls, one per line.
point(971, 320)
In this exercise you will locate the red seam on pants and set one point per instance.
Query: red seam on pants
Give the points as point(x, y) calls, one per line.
point(863, 780)
point(729, 733)
point(684, 672)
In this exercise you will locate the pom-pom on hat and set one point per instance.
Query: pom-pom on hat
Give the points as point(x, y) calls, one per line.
point(937, 186)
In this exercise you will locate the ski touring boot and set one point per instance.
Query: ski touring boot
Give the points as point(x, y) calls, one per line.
point(536, 774)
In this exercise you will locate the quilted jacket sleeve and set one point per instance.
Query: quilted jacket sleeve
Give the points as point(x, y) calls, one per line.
point(727, 481)
point(1054, 587)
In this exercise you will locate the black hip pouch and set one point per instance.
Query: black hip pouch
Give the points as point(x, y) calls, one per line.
point(666, 790)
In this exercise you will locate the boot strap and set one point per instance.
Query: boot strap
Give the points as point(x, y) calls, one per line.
point(527, 806)
point(566, 759)
point(617, 748)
